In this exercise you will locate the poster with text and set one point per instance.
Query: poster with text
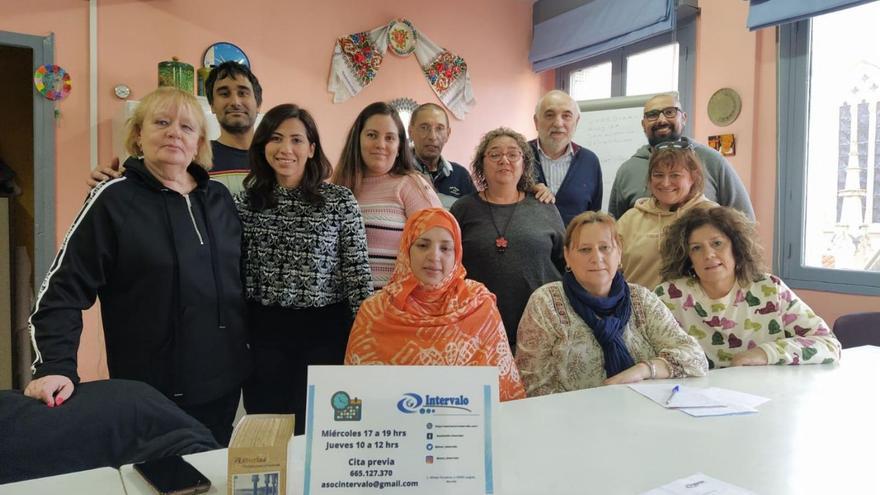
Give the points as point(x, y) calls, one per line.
point(401, 429)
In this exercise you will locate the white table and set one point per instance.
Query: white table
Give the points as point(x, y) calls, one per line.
point(818, 434)
point(101, 481)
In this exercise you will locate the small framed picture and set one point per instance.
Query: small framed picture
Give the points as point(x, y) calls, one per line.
point(724, 144)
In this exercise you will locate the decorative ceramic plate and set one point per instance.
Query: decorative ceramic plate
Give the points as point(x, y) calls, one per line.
point(402, 37)
point(223, 51)
point(52, 82)
point(724, 107)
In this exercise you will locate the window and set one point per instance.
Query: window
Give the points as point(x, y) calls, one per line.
point(662, 63)
point(829, 97)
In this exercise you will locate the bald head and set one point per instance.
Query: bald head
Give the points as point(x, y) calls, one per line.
point(556, 119)
point(659, 127)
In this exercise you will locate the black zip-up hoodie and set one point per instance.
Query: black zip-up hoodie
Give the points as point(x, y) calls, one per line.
point(166, 267)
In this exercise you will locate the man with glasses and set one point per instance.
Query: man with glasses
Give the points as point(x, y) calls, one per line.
point(664, 121)
point(429, 130)
point(564, 171)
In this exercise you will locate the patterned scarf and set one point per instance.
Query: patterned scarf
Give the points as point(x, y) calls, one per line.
point(454, 323)
point(606, 316)
point(357, 58)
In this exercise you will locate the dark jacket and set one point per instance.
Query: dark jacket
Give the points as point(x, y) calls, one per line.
point(581, 189)
point(167, 269)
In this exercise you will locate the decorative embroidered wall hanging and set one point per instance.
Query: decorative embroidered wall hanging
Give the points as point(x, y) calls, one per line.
point(357, 57)
point(52, 82)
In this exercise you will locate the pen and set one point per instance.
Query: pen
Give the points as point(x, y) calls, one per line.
point(675, 390)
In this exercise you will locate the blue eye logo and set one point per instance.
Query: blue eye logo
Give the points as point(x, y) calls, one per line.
point(410, 403)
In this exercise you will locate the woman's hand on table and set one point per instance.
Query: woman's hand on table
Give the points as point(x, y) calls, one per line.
point(753, 357)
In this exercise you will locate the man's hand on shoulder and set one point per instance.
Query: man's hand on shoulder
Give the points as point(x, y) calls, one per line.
point(98, 176)
point(543, 194)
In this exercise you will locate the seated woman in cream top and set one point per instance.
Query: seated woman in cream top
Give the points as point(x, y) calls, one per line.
point(593, 328)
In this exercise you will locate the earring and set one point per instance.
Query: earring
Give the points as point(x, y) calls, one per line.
point(567, 269)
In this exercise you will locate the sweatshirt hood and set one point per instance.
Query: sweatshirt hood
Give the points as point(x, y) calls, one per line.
point(134, 167)
point(649, 205)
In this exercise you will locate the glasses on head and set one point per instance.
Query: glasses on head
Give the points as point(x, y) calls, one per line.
point(668, 112)
point(512, 155)
point(678, 144)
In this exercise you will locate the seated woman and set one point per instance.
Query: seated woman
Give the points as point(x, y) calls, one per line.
point(512, 241)
point(675, 181)
point(429, 314)
point(715, 287)
point(593, 328)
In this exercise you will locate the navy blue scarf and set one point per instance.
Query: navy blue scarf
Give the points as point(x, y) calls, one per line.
point(606, 316)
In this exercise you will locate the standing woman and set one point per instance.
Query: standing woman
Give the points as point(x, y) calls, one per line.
point(161, 248)
point(675, 181)
point(378, 166)
point(305, 261)
point(512, 242)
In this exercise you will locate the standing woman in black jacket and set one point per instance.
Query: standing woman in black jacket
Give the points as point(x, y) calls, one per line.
point(161, 247)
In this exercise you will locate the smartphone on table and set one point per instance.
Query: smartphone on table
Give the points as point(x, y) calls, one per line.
point(173, 476)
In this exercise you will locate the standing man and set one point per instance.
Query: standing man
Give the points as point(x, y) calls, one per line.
point(664, 120)
point(235, 96)
point(429, 130)
point(564, 170)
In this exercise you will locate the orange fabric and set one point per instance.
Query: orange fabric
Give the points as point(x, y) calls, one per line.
point(455, 323)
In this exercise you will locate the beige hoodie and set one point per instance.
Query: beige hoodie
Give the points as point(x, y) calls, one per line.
point(642, 231)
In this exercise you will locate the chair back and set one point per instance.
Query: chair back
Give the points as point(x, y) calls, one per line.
point(857, 329)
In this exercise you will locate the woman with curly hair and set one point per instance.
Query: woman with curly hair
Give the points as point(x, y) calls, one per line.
point(718, 292)
point(512, 242)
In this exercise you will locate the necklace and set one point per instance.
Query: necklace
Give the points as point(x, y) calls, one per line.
point(501, 242)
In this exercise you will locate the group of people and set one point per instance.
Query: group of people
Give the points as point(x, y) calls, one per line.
point(206, 296)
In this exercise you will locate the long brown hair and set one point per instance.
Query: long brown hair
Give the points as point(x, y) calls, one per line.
point(350, 169)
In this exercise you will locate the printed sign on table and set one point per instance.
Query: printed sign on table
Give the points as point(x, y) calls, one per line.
point(400, 429)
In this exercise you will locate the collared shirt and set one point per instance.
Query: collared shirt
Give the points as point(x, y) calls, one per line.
point(451, 180)
point(555, 170)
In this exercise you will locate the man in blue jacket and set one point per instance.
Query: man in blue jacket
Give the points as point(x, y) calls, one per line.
point(563, 169)
point(429, 131)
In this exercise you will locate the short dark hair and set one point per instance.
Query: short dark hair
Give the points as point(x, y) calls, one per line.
point(232, 70)
point(426, 106)
point(526, 181)
point(350, 169)
point(675, 252)
point(260, 181)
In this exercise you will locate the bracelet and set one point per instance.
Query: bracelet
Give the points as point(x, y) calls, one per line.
point(651, 367)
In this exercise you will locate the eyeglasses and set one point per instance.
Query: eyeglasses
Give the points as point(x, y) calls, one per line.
point(512, 156)
point(678, 144)
point(668, 112)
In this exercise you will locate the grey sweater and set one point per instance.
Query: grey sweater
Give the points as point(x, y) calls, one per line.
point(722, 185)
point(533, 257)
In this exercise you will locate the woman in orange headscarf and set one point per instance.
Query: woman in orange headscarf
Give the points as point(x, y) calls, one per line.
point(429, 314)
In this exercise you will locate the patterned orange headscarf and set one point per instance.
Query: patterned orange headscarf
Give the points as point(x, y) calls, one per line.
point(454, 323)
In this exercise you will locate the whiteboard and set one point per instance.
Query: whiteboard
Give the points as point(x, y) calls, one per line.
point(612, 129)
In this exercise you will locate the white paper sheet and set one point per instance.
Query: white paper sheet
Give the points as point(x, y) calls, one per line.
point(700, 402)
point(699, 484)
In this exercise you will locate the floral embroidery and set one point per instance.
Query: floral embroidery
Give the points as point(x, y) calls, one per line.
point(444, 70)
point(361, 56)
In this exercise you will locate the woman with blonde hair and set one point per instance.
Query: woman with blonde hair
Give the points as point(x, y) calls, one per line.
point(594, 328)
point(675, 181)
point(378, 166)
point(716, 288)
point(429, 313)
point(161, 248)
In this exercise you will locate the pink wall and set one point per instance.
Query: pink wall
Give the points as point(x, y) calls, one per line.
point(728, 55)
point(289, 45)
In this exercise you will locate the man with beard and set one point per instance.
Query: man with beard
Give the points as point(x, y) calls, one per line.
point(564, 171)
point(429, 130)
point(663, 121)
point(235, 96)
